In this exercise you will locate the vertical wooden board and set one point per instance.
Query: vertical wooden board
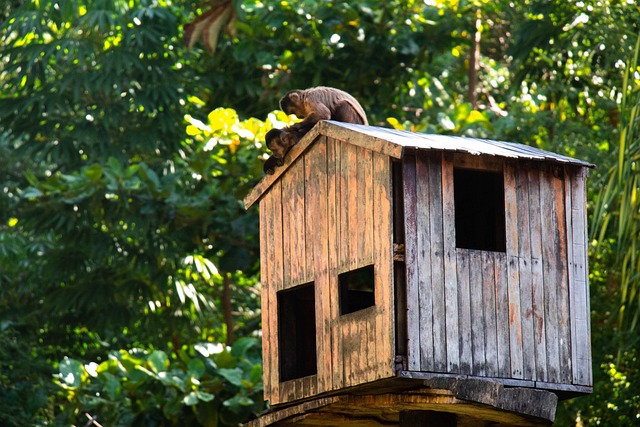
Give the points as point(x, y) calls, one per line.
point(276, 282)
point(537, 282)
point(580, 312)
point(265, 247)
point(464, 312)
point(318, 246)
point(478, 324)
point(524, 258)
point(333, 220)
point(353, 228)
point(513, 276)
point(450, 279)
point(423, 260)
point(371, 348)
point(411, 264)
point(436, 230)
point(383, 256)
point(562, 295)
point(342, 188)
point(502, 315)
point(549, 272)
point(352, 352)
point(490, 310)
point(293, 225)
point(311, 211)
point(365, 206)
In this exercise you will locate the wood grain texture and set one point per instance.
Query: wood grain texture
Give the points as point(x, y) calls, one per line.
point(513, 272)
point(424, 194)
point(412, 266)
point(450, 279)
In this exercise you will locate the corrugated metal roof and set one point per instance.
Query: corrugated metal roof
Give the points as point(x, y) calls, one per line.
point(474, 146)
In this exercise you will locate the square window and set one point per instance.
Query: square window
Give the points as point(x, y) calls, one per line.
point(297, 332)
point(479, 209)
point(356, 289)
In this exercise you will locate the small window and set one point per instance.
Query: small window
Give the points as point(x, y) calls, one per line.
point(297, 332)
point(479, 209)
point(356, 290)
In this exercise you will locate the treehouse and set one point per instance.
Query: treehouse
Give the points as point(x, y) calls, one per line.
point(390, 257)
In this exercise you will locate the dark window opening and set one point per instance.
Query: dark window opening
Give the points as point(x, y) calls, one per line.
point(356, 290)
point(479, 207)
point(297, 332)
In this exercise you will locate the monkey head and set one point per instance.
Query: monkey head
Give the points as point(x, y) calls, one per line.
point(292, 103)
point(279, 141)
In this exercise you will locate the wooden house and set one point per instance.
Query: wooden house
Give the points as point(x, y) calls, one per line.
point(395, 255)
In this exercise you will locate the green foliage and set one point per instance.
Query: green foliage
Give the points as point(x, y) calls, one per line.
point(124, 244)
point(203, 385)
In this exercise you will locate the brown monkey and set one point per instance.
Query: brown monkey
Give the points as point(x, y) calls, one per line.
point(271, 164)
point(279, 141)
point(321, 103)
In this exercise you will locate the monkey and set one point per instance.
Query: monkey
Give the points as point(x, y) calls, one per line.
point(279, 141)
point(311, 105)
point(321, 103)
point(270, 165)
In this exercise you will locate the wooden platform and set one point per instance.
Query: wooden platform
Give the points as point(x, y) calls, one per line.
point(441, 401)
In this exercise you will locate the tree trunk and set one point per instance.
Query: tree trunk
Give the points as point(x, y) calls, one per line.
point(474, 64)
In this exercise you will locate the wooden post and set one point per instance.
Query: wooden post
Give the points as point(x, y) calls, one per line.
point(427, 419)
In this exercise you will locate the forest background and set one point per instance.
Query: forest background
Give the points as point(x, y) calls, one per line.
point(130, 131)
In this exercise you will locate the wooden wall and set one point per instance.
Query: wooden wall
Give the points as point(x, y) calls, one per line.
point(328, 214)
point(520, 314)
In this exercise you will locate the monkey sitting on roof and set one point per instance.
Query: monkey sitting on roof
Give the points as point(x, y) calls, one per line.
point(311, 105)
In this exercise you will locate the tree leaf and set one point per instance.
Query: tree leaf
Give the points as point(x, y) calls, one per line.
point(158, 361)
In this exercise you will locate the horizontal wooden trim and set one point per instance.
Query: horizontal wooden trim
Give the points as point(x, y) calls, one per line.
point(373, 143)
point(510, 382)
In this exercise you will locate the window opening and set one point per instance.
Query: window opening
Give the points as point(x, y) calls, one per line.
point(479, 209)
point(356, 290)
point(297, 332)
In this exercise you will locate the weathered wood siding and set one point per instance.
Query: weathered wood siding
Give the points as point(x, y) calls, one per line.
point(330, 213)
point(521, 314)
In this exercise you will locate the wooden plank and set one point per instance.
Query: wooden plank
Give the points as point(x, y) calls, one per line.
point(293, 223)
point(371, 343)
point(524, 258)
point(365, 192)
point(266, 230)
point(276, 271)
point(464, 312)
point(513, 266)
point(353, 201)
point(383, 256)
point(502, 315)
point(580, 311)
point(450, 279)
point(411, 263)
point(436, 230)
point(423, 260)
point(485, 163)
point(353, 137)
point(549, 270)
point(537, 282)
point(477, 319)
point(490, 311)
point(566, 371)
point(318, 246)
point(343, 209)
point(333, 220)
